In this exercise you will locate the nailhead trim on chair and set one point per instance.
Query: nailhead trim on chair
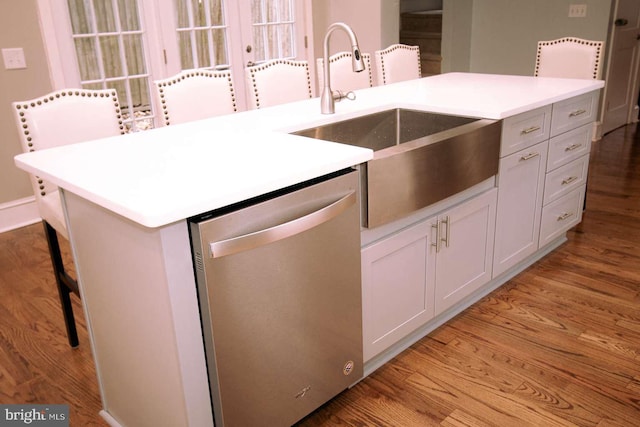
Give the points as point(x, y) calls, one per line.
point(348, 55)
point(268, 64)
point(186, 75)
point(596, 44)
point(53, 97)
point(391, 49)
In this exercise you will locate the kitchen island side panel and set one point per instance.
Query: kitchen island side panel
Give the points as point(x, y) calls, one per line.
point(139, 297)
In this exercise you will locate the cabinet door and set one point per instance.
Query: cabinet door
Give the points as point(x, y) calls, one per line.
point(463, 263)
point(397, 287)
point(521, 184)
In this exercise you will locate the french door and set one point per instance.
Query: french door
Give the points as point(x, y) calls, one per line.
point(127, 44)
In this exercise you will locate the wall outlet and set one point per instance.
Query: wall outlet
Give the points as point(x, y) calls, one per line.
point(14, 58)
point(577, 11)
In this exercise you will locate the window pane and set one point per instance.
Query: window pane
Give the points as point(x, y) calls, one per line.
point(140, 94)
point(258, 44)
point(274, 42)
point(111, 56)
point(199, 13)
point(257, 11)
point(86, 50)
point(129, 20)
point(79, 14)
point(217, 17)
point(286, 36)
point(92, 86)
point(286, 12)
point(202, 46)
point(220, 49)
point(182, 14)
point(104, 16)
point(134, 54)
point(186, 55)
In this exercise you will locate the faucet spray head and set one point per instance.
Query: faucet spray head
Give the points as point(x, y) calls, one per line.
point(356, 59)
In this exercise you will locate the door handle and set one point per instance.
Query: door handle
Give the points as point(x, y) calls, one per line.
point(438, 243)
point(621, 22)
point(281, 231)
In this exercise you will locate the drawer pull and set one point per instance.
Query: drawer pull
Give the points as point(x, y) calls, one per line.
point(565, 216)
point(573, 147)
point(577, 113)
point(529, 156)
point(569, 180)
point(529, 130)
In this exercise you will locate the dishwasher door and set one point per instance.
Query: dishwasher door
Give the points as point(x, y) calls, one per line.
point(280, 300)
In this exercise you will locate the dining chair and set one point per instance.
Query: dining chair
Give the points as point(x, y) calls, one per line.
point(398, 62)
point(277, 82)
point(569, 57)
point(342, 76)
point(194, 95)
point(59, 118)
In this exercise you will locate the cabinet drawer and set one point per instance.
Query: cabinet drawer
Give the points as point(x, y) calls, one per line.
point(574, 112)
point(524, 130)
point(561, 215)
point(565, 179)
point(569, 146)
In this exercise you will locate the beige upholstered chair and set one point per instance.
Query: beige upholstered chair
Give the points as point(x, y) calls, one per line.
point(196, 94)
point(60, 118)
point(277, 82)
point(397, 63)
point(342, 76)
point(569, 57)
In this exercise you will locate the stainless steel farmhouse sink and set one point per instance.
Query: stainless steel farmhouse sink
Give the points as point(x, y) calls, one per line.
point(419, 157)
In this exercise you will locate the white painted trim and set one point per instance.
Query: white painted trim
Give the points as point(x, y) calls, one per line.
point(18, 213)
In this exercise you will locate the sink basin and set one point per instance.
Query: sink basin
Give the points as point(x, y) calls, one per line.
point(419, 157)
point(385, 129)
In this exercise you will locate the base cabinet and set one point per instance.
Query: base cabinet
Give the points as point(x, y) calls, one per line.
point(521, 179)
point(420, 271)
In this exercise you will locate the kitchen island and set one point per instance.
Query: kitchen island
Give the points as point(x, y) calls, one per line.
point(127, 199)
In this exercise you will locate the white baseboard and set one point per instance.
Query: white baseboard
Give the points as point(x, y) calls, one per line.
point(18, 213)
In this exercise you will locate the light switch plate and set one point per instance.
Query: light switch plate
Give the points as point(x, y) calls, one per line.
point(13, 58)
point(577, 10)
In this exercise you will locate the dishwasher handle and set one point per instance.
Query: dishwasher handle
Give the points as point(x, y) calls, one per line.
point(281, 231)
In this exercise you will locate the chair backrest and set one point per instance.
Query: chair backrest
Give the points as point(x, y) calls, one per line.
point(569, 57)
point(397, 63)
point(278, 81)
point(342, 75)
point(65, 117)
point(194, 95)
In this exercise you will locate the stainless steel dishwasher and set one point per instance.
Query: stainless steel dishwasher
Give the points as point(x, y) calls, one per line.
point(280, 301)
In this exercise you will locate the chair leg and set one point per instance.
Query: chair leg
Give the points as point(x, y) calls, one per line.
point(66, 285)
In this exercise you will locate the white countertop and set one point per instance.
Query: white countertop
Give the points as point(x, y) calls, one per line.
point(164, 175)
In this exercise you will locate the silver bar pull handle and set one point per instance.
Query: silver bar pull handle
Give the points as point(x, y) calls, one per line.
point(529, 156)
point(569, 180)
point(573, 147)
point(529, 130)
point(437, 239)
point(281, 231)
point(565, 216)
point(577, 113)
point(447, 223)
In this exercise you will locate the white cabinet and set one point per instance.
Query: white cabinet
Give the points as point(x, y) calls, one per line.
point(420, 271)
point(521, 183)
point(464, 249)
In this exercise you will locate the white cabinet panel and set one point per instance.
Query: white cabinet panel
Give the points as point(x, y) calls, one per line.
point(524, 130)
point(397, 292)
point(574, 112)
point(565, 179)
point(569, 146)
point(560, 215)
point(521, 184)
point(463, 263)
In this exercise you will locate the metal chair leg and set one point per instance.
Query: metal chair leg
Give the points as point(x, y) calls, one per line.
point(66, 285)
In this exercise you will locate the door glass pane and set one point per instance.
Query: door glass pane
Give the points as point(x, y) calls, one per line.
point(129, 19)
point(105, 18)
point(114, 56)
point(81, 22)
point(273, 35)
point(201, 25)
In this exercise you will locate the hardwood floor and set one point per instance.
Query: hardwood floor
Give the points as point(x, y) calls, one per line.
point(558, 345)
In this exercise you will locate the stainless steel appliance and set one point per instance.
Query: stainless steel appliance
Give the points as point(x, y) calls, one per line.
point(280, 299)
